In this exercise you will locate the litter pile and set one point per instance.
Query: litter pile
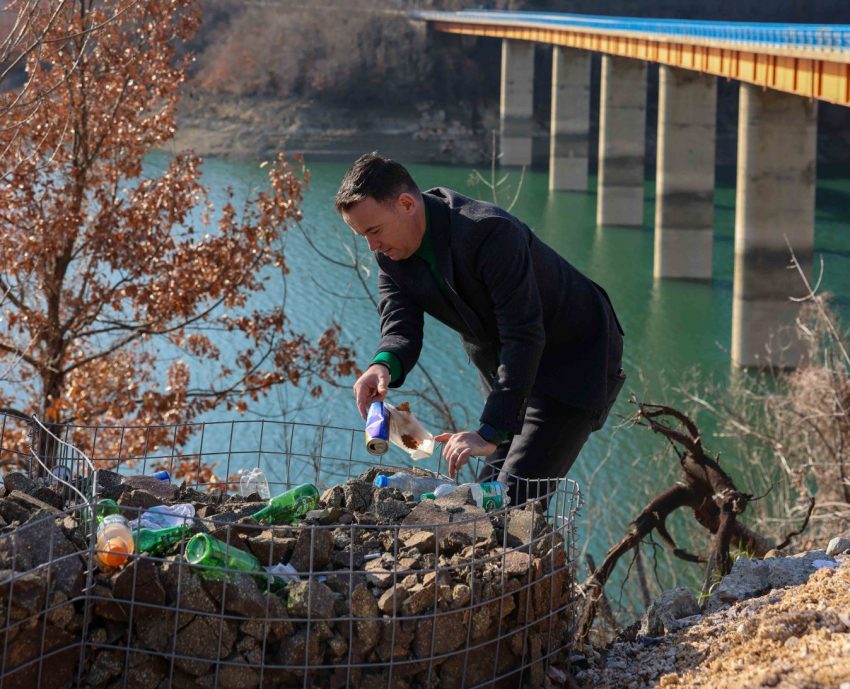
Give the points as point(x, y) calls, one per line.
point(375, 587)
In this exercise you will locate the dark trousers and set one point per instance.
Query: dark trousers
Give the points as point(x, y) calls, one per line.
point(552, 435)
point(551, 438)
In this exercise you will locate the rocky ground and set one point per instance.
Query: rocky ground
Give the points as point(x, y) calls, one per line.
point(781, 622)
point(778, 622)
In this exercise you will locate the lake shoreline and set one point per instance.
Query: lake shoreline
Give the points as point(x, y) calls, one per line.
point(257, 128)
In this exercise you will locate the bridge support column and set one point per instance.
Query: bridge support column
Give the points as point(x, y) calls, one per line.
point(775, 199)
point(622, 124)
point(684, 187)
point(568, 141)
point(516, 105)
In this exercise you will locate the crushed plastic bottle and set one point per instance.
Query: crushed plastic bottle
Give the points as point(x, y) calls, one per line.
point(411, 484)
point(114, 541)
point(164, 516)
point(254, 481)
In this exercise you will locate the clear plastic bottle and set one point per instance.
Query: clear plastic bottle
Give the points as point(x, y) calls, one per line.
point(164, 516)
point(411, 484)
point(492, 495)
point(114, 541)
point(254, 481)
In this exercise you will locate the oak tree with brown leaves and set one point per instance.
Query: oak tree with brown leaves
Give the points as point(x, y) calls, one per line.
point(103, 267)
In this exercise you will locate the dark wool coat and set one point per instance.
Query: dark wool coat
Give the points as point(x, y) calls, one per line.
point(528, 319)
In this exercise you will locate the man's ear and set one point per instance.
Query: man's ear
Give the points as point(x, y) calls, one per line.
point(407, 202)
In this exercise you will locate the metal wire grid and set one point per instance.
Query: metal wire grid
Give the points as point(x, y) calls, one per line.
point(289, 453)
point(533, 620)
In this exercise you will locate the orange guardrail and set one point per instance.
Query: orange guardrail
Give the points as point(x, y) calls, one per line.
point(803, 68)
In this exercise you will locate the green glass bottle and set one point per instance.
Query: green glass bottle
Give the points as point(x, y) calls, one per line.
point(202, 549)
point(159, 541)
point(290, 506)
point(104, 508)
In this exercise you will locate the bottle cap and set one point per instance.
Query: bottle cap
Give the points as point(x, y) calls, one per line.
point(382, 481)
point(62, 473)
point(162, 475)
point(427, 496)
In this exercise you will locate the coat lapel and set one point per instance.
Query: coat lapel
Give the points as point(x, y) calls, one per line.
point(441, 238)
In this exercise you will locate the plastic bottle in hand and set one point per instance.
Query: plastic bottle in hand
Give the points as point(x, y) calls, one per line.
point(289, 506)
point(254, 481)
point(492, 495)
point(411, 484)
point(114, 541)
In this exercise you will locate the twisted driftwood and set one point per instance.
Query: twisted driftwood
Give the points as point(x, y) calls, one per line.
point(705, 488)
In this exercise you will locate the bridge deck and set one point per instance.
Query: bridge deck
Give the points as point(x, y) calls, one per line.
point(804, 59)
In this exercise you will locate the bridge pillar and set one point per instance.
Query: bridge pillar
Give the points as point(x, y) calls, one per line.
point(570, 122)
point(684, 186)
point(516, 104)
point(775, 199)
point(622, 121)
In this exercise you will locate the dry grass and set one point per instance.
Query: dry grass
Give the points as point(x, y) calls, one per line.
point(792, 431)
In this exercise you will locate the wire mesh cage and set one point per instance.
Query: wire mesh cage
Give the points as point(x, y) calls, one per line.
point(370, 587)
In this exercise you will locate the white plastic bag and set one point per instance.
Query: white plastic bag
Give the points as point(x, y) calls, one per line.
point(407, 433)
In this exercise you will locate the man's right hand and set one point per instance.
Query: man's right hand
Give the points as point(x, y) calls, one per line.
point(371, 387)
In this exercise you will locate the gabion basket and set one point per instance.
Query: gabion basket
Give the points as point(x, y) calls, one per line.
point(381, 591)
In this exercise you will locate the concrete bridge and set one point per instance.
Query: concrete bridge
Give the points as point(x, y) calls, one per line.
point(784, 69)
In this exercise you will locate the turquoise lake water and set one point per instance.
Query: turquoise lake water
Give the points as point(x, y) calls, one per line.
point(675, 330)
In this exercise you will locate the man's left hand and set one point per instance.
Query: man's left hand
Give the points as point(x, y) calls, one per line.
point(461, 446)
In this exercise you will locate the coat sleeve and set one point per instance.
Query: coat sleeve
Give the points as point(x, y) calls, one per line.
point(401, 325)
point(504, 265)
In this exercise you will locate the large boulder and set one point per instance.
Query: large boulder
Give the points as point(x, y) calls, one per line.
point(310, 600)
point(365, 609)
point(663, 613)
point(429, 517)
point(751, 578)
point(240, 596)
point(270, 548)
point(313, 550)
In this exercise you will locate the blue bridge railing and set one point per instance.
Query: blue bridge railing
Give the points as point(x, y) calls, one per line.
point(823, 36)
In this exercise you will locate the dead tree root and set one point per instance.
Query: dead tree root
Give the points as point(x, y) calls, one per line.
point(705, 488)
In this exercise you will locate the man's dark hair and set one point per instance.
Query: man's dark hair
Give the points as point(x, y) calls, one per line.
point(373, 175)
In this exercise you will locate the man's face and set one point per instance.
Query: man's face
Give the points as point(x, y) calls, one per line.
point(388, 226)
